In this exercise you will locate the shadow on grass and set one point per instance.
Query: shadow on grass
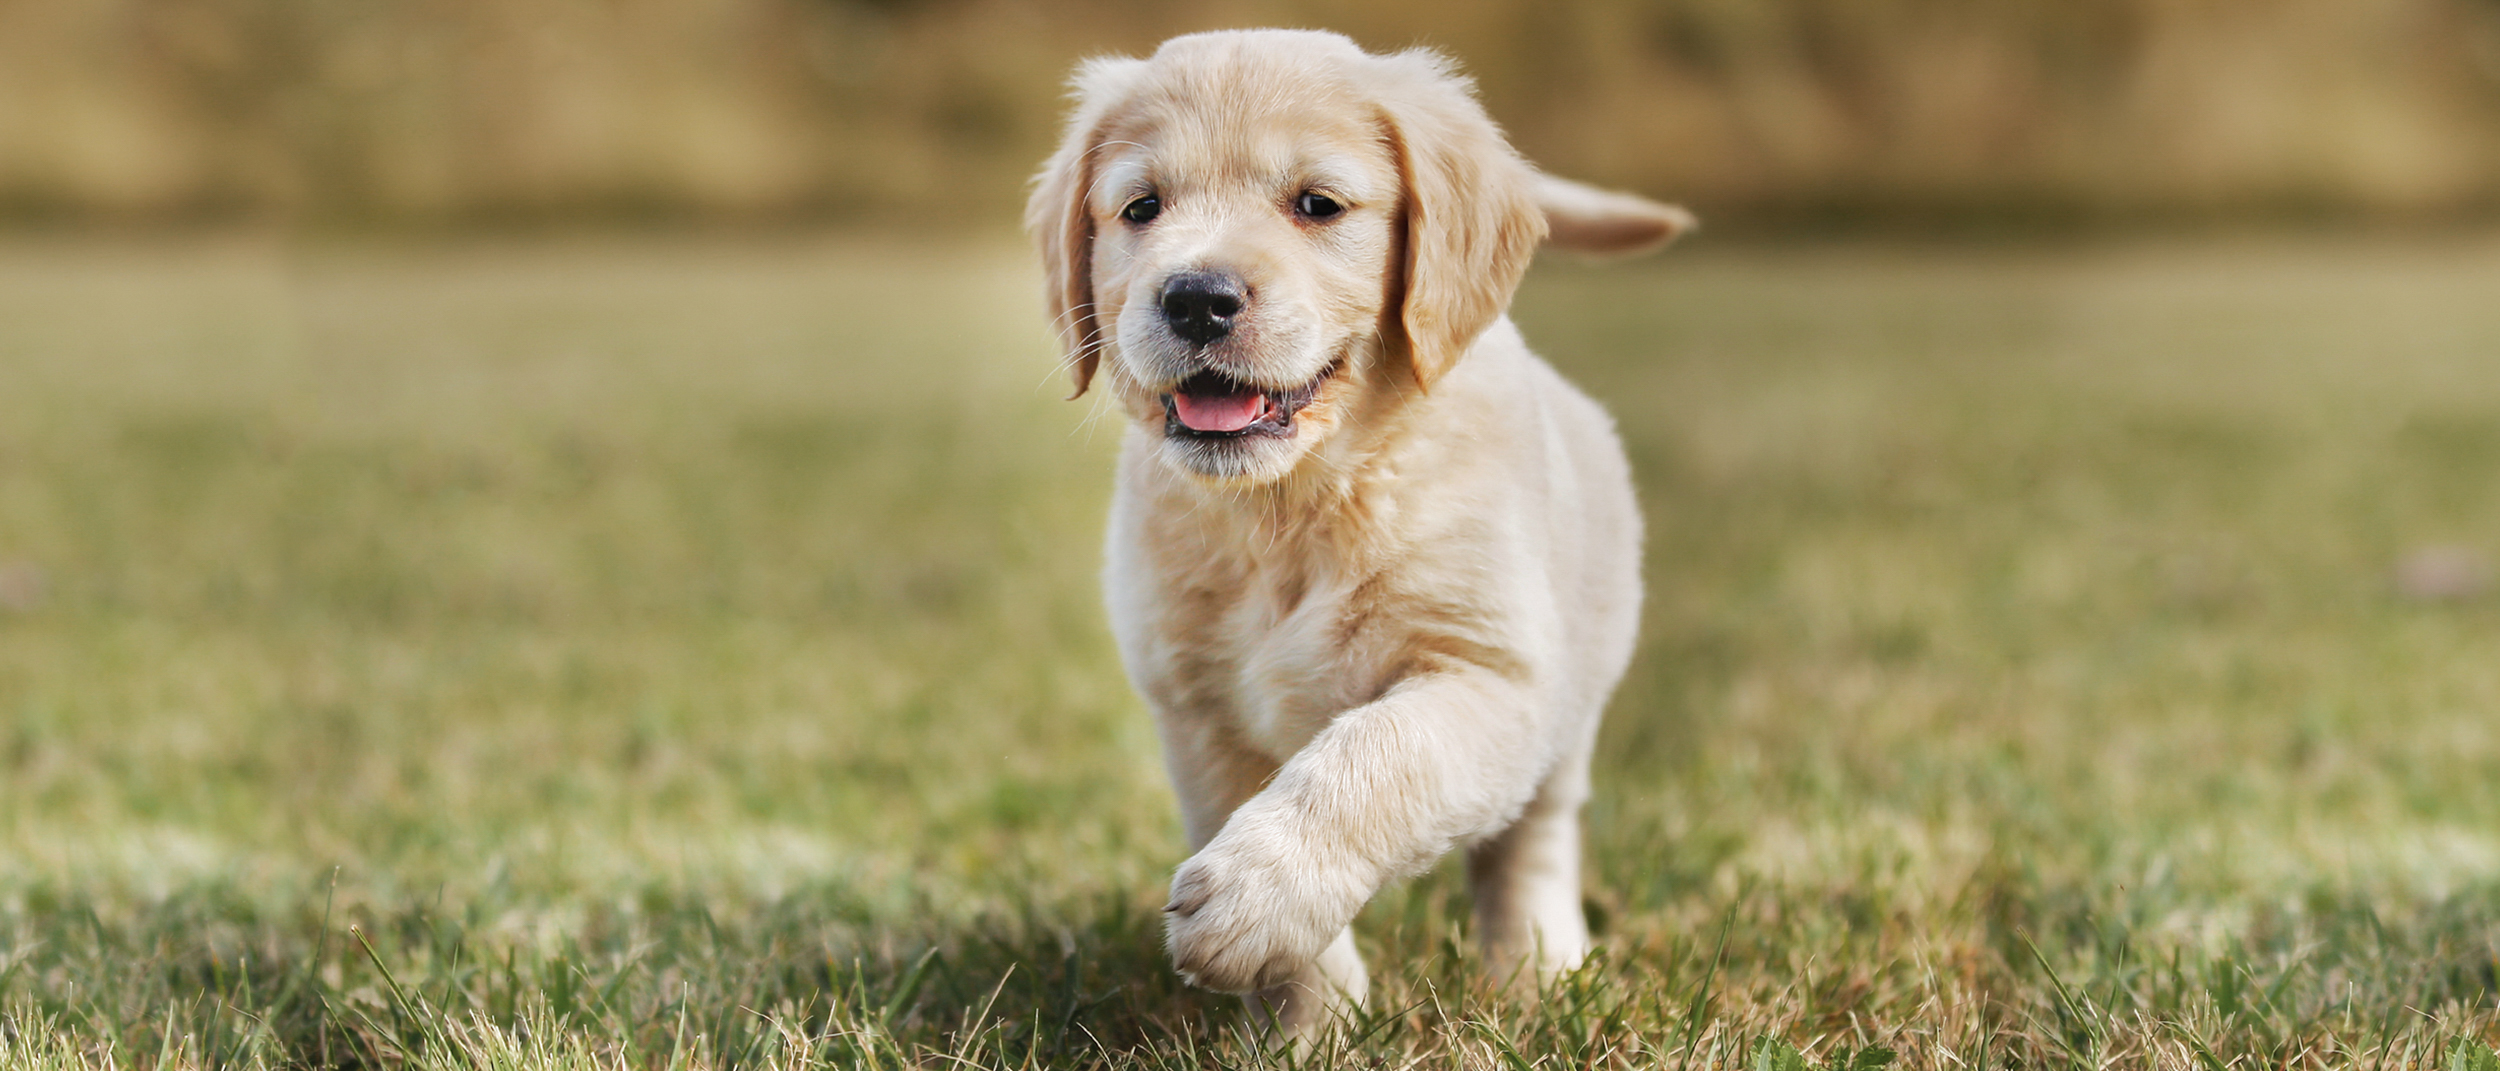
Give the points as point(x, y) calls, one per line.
point(2025, 976)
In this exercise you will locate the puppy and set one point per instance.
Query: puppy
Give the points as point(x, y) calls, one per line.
point(1374, 565)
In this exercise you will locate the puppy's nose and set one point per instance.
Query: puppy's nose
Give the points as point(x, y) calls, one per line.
point(1200, 304)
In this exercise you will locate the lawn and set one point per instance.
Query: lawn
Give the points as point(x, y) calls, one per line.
point(676, 652)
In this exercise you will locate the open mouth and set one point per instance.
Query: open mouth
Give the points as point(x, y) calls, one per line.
point(1212, 405)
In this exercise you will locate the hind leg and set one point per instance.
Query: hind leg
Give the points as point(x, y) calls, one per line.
point(1323, 993)
point(1526, 884)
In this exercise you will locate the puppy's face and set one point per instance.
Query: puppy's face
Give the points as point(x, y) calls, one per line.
point(1242, 261)
point(1259, 237)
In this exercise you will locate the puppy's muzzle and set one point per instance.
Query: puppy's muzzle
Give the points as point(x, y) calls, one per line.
point(1199, 306)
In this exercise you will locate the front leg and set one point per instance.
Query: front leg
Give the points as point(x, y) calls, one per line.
point(1384, 790)
point(1214, 772)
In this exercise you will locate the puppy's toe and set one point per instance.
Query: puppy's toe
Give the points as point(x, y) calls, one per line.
point(1189, 891)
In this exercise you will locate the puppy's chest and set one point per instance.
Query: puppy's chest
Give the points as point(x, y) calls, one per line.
point(1276, 651)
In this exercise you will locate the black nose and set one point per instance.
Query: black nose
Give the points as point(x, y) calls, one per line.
point(1200, 304)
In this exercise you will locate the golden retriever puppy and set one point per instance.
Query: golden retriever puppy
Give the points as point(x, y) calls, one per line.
point(1374, 565)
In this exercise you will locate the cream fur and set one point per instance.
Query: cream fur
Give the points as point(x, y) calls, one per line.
point(1391, 632)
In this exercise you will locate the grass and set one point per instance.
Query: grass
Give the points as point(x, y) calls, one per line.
point(672, 654)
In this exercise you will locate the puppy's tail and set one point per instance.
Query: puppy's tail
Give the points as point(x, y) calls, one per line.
point(1585, 219)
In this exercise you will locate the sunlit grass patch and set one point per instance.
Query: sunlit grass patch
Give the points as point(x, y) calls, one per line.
point(687, 655)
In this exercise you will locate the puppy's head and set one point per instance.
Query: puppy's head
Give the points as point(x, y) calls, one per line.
point(1258, 237)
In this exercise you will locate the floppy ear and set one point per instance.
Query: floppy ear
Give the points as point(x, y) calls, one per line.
point(1062, 223)
point(1585, 219)
point(1471, 222)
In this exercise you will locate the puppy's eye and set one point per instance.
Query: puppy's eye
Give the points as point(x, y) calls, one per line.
point(1317, 206)
point(1142, 210)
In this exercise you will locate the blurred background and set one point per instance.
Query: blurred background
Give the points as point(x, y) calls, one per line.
point(1812, 112)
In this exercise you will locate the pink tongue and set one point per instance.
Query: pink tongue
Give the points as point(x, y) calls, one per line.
point(1217, 412)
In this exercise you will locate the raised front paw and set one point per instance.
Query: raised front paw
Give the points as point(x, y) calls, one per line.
point(1254, 906)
